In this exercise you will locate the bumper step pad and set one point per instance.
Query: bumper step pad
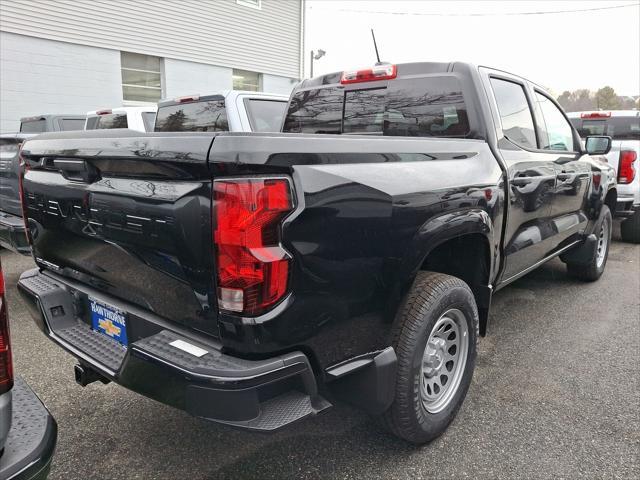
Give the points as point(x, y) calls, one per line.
point(284, 410)
point(99, 347)
point(262, 395)
point(213, 363)
point(32, 438)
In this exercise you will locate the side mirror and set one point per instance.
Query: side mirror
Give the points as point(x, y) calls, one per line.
point(597, 144)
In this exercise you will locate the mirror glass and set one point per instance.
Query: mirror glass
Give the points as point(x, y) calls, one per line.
point(598, 145)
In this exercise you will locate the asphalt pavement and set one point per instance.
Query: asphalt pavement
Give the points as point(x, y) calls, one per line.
point(556, 394)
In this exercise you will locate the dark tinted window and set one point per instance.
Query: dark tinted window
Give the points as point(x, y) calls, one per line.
point(589, 127)
point(33, 126)
point(91, 123)
point(265, 115)
point(72, 124)
point(364, 111)
point(110, 120)
point(620, 128)
point(315, 111)
point(208, 116)
point(425, 107)
point(149, 119)
point(517, 121)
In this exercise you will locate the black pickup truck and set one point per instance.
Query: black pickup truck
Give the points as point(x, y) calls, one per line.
point(255, 278)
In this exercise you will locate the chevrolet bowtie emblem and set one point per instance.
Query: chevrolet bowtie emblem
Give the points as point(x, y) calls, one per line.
point(109, 328)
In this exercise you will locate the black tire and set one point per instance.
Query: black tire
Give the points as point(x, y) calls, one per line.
point(431, 296)
point(630, 228)
point(593, 269)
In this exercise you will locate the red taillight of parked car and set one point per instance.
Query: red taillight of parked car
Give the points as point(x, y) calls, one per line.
point(626, 167)
point(6, 367)
point(252, 267)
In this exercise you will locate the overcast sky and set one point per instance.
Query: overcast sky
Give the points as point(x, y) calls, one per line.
point(562, 51)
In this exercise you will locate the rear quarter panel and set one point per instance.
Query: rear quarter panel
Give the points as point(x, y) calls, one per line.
point(368, 211)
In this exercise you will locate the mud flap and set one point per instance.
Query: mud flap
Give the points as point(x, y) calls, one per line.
point(582, 254)
point(368, 382)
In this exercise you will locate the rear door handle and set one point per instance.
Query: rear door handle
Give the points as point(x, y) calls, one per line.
point(521, 181)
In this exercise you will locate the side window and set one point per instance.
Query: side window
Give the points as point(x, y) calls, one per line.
point(556, 131)
point(517, 121)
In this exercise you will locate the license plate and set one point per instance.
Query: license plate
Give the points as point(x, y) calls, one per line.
point(109, 321)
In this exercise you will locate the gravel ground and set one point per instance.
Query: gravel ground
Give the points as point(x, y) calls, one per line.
point(555, 394)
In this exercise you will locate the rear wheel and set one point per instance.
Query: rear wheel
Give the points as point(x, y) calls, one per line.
point(630, 228)
point(594, 267)
point(435, 342)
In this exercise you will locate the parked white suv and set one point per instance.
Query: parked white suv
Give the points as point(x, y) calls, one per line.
point(624, 127)
point(133, 118)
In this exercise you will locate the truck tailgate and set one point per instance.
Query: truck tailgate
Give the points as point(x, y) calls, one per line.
point(129, 214)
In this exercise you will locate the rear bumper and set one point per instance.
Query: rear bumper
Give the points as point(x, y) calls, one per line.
point(12, 233)
point(32, 438)
point(626, 206)
point(259, 395)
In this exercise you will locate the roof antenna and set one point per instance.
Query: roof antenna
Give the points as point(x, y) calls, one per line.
point(375, 45)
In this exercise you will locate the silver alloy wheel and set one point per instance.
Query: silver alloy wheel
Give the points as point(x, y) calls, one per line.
point(603, 240)
point(444, 360)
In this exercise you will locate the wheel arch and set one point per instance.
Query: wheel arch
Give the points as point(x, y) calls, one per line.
point(460, 244)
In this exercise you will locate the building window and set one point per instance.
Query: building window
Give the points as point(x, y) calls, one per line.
point(141, 77)
point(250, 3)
point(245, 80)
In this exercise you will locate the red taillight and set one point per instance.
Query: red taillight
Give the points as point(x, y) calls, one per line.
point(379, 72)
point(626, 169)
point(253, 269)
point(595, 115)
point(103, 112)
point(6, 367)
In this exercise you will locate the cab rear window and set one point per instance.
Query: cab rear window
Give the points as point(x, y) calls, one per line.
point(72, 124)
point(33, 126)
point(207, 116)
point(619, 128)
point(420, 107)
point(107, 121)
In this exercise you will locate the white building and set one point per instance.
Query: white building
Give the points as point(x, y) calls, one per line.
point(72, 56)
